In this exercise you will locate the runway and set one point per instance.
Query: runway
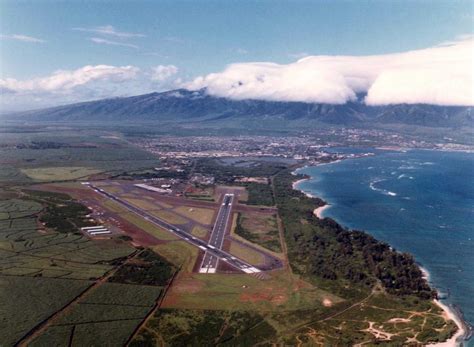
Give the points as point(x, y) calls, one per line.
point(210, 262)
point(210, 249)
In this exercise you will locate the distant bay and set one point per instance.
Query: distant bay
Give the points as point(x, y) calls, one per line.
point(418, 201)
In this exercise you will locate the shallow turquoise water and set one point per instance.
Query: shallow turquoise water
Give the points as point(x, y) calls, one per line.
point(420, 202)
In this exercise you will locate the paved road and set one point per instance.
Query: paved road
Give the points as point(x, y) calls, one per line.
point(210, 262)
point(214, 251)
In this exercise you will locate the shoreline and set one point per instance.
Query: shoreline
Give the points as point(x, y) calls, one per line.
point(318, 212)
point(460, 335)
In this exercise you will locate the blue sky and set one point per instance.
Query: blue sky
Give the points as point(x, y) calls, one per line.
point(200, 37)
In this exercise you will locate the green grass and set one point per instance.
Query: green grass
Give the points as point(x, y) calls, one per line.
point(169, 217)
point(246, 253)
point(179, 253)
point(259, 194)
point(59, 173)
point(259, 229)
point(200, 232)
point(283, 291)
point(150, 228)
point(200, 215)
point(123, 294)
point(204, 328)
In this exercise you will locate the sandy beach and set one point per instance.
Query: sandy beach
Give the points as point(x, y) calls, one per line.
point(449, 314)
point(318, 212)
point(295, 183)
point(295, 187)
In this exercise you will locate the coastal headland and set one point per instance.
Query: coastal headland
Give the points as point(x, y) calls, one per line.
point(463, 331)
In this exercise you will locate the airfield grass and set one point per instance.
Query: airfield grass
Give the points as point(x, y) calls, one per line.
point(200, 232)
point(258, 229)
point(299, 312)
point(150, 228)
point(200, 215)
point(113, 189)
point(143, 204)
point(169, 217)
point(246, 253)
point(155, 201)
point(113, 206)
point(179, 253)
point(253, 244)
point(146, 203)
point(283, 291)
point(59, 173)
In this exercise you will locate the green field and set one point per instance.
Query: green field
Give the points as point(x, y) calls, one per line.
point(106, 317)
point(41, 271)
point(66, 154)
point(27, 300)
point(259, 229)
point(204, 328)
point(59, 173)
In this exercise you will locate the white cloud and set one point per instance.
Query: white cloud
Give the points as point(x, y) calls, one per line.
point(23, 38)
point(85, 83)
point(65, 81)
point(441, 75)
point(163, 72)
point(101, 41)
point(109, 30)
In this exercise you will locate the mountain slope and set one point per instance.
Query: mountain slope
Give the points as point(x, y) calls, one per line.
point(187, 106)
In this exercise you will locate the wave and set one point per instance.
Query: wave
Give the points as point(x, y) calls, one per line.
point(380, 190)
point(405, 176)
point(407, 167)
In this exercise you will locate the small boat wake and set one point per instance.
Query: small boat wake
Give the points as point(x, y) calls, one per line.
point(380, 190)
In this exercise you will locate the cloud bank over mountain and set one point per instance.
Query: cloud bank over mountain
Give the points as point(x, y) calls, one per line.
point(442, 75)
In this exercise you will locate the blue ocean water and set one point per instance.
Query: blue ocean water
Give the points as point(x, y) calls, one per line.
point(418, 201)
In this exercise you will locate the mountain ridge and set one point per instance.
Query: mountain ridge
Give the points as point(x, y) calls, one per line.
point(182, 105)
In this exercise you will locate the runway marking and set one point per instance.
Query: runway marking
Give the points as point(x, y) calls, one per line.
point(220, 226)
